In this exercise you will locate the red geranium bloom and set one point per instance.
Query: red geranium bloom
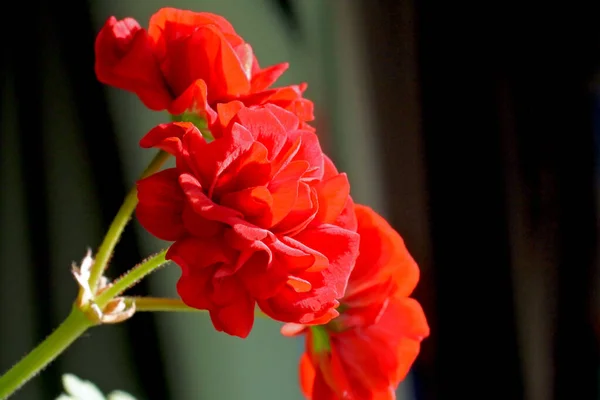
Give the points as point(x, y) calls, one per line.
point(190, 61)
point(258, 216)
point(365, 352)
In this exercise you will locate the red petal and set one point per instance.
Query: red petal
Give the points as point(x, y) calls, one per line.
point(245, 55)
point(250, 202)
point(194, 99)
point(299, 285)
point(369, 362)
point(167, 137)
point(333, 196)
point(289, 98)
point(194, 286)
point(289, 120)
point(329, 169)
point(340, 246)
point(284, 197)
point(381, 355)
point(291, 329)
point(235, 319)
point(406, 315)
point(264, 127)
point(336, 376)
point(310, 151)
point(205, 54)
point(415, 327)
point(364, 314)
point(125, 59)
point(347, 218)
point(321, 390)
point(250, 169)
point(286, 155)
point(307, 375)
point(227, 290)
point(198, 259)
point(170, 23)
point(325, 318)
point(204, 206)
point(209, 160)
point(230, 79)
point(161, 203)
point(383, 255)
point(244, 235)
point(225, 112)
point(284, 190)
point(303, 212)
point(260, 279)
point(368, 293)
point(267, 76)
point(198, 226)
point(194, 253)
point(291, 172)
point(388, 394)
point(202, 52)
point(297, 257)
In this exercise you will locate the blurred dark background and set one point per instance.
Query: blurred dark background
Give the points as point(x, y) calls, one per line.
point(473, 128)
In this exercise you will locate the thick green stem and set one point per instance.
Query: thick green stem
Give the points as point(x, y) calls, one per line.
point(72, 327)
point(115, 230)
point(77, 322)
point(131, 278)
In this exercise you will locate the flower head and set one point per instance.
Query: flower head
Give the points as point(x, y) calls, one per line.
point(258, 216)
point(366, 351)
point(189, 61)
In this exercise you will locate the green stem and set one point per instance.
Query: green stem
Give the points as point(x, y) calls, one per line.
point(131, 278)
point(166, 304)
point(71, 328)
point(159, 304)
point(320, 339)
point(77, 322)
point(75, 325)
point(115, 230)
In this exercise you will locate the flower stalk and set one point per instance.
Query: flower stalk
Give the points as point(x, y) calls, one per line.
point(159, 304)
point(29, 366)
point(79, 319)
point(76, 324)
point(131, 278)
point(116, 228)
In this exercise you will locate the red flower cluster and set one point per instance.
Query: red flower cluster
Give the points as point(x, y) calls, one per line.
point(190, 61)
point(259, 216)
point(365, 352)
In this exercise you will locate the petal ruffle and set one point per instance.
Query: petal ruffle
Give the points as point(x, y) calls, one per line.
point(161, 204)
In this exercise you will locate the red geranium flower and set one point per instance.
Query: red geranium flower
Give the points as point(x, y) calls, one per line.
point(365, 352)
point(258, 216)
point(190, 61)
